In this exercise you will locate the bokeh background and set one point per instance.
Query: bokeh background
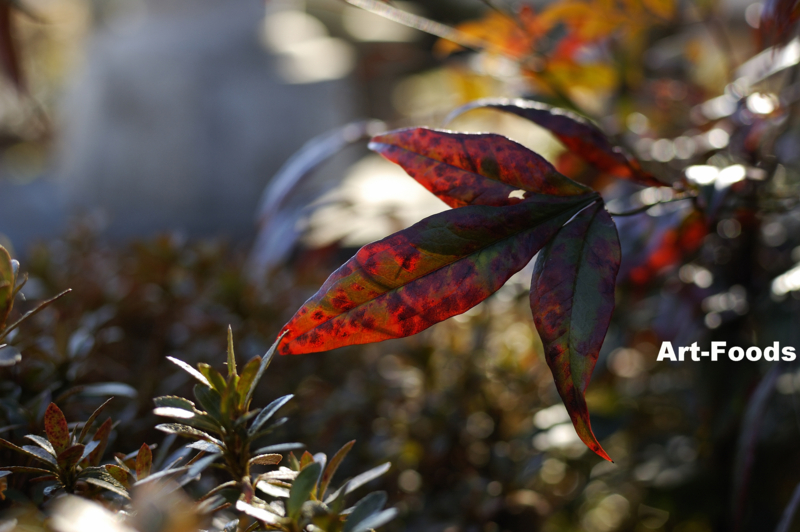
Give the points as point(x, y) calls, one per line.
point(142, 164)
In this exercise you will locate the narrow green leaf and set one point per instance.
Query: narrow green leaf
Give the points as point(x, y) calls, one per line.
point(377, 520)
point(108, 486)
point(301, 489)
point(183, 430)
point(173, 401)
point(333, 465)
point(231, 356)
point(190, 370)
point(216, 379)
point(265, 362)
point(368, 476)
point(267, 413)
point(246, 379)
point(365, 508)
point(280, 448)
point(210, 400)
point(43, 443)
point(91, 420)
point(40, 454)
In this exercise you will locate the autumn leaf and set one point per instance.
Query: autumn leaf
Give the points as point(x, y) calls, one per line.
point(572, 298)
point(55, 425)
point(435, 269)
point(473, 169)
point(500, 33)
point(576, 133)
point(9, 53)
point(144, 461)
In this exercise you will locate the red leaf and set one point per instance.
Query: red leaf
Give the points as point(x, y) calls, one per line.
point(778, 18)
point(103, 431)
point(435, 269)
point(144, 461)
point(55, 425)
point(473, 169)
point(572, 298)
point(575, 132)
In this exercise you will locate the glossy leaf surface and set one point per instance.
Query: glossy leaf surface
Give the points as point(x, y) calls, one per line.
point(576, 133)
point(435, 269)
point(473, 169)
point(572, 299)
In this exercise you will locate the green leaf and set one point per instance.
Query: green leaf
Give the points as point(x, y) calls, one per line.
point(183, 430)
point(332, 466)
point(40, 454)
point(210, 400)
point(367, 476)
point(265, 362)
point(91, 420)
point(100, 476)
point(101, 435)
point(267, 413)
point(190, 370)
point(43, 443)
point(173, 401)
point(246, 380)
point(216, 379)
point(120, 474)
point(280, 448)
point(375, 521)
point(231, 356)
point(301, 489)
point(108, 486)
point(572, 299)
point(364, 509)
point(55, 425)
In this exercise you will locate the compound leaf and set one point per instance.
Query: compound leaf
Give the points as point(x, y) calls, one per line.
point(435, 269)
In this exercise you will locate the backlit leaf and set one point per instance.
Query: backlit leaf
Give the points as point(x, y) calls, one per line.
point(6, 286)
point(231, 355)
point(249, 372)
point(91, 420)
point(301, 489)
point(190, 370)
point(473, 169)
point(144, 461)
point(435, 269)
point(575, 132)
point(330, 470)
point(70, 456)
point(267, 413)
point(55, 425)
point(572, 298)
point(100, 435)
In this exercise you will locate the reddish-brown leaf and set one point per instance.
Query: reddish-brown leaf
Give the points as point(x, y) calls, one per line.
point(9, 53)
point(473, 169)
point(435, 269)
point(103, 431)
point(7, 280)
point(778, 19)
point(71, 456)
point(144, 461)
point(572, 298)
point(575, 132)
point(55, 425)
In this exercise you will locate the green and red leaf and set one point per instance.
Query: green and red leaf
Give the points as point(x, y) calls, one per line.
point(55, 425)
point(101, 435)
point(473, 169)
point(576, 133)
point(435, 269)
point(144, 461)
point(572, 299)
point(70, 456)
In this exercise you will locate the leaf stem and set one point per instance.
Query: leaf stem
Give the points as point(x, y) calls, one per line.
point(645, 208)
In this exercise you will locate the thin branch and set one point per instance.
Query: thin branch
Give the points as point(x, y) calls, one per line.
point(645, 208)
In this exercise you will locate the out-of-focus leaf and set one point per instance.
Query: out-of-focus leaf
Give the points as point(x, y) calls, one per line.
point(99, 476)
point(333, 465)
point(513, 37)
point(190, 370)
point(365, 508)
point(473, 169)
point(205, 446)
point(301, 489)
point(144, 460)
point(376, 520)
point(748, 439)
point(101, 483)
point(109, 388)
point(572, 298)
point(367, 476)
point(788, 512)
point(435, 269)
point(778, 19)
point(89, 447)
point(55, 425)
point(7, 279)
point(267, 413)
point(9, 355)
point(24, 469)
point(121, 475)
point(277, 222)
point(575, 132)
point(91, 420)
point(9, 52)
point(71, 456)
point(41, 306)
point(200, 465)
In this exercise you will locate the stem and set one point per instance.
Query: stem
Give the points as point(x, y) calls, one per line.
point(645, 208)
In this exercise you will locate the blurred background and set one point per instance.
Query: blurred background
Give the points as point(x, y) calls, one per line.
point(146, 162)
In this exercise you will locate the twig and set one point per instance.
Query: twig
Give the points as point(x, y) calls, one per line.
point(645, 208)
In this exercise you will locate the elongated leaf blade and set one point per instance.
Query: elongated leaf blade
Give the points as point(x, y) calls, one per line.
point(473, 169)
point(231, 355)
point(574, 131)
point(6, 286)
point(91, 420)
point(333, 465)
point(71, 456)
point(572, 299)
point(435, 269)
point(267, 413)
point(302, 487)
point(364, 509)
point(101, 435)
point(55, 425)
point(144, 461)
point(43, 443)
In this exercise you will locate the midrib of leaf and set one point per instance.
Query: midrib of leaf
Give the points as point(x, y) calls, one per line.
point(579, 207)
